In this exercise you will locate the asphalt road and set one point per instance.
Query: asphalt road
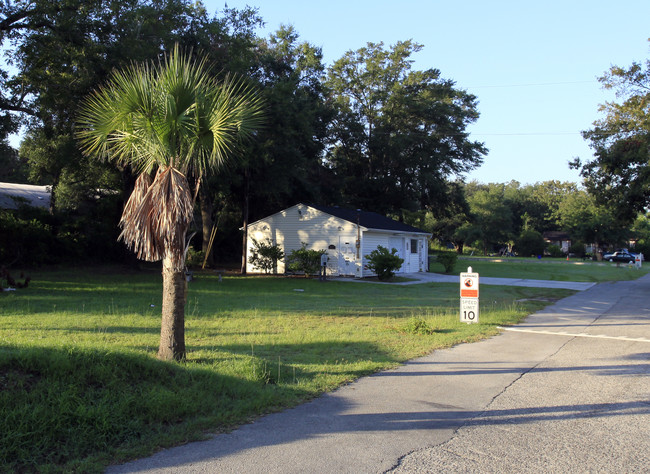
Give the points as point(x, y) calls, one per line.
point(568, 390)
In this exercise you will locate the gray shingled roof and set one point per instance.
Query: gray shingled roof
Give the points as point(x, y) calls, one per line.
point(369, 220)
point(12, 194)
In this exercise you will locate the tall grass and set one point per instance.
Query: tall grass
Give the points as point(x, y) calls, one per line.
point(81, 388)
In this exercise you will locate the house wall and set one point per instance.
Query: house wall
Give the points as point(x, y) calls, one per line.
point(320, 231)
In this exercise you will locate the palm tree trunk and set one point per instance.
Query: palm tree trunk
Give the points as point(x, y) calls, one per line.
point(172, 329)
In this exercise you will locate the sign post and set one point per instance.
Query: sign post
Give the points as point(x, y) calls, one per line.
point(469, 306)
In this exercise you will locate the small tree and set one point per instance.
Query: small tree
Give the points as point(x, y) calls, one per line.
point(265, 255)
point(578, 249)
point(447, 260)
point(384, 263)
point(530, 242)
point(303, 260)
point(555, 251)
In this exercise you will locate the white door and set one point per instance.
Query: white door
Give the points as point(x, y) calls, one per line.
point(347, 256)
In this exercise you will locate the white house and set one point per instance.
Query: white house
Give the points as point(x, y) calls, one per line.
point(347, 235)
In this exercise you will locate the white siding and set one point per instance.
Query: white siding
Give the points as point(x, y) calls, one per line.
point(298, 224)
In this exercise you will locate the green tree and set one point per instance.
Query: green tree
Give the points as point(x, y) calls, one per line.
point(530, 242)
point(490, 217)
point(587, 221)
point(452, 213)
point(447, 260)
point(619, 175)
point(60, 51)
point(12, 168)
point(398, 133)
point(288, 152)
point(174, 119)
point(545, 200)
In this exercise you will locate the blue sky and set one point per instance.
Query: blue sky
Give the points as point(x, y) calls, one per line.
point(533, 65)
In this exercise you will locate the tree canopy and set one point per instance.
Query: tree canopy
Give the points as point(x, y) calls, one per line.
point(398, 133)
point(620, 173)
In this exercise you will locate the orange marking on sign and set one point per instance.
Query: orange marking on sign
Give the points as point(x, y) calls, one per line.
point(469, 293)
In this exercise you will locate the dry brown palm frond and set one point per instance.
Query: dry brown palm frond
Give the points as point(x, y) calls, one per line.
point(159, 223)
point(173, 215)
point(137, 195)
point(135, 222)
point(138, 234)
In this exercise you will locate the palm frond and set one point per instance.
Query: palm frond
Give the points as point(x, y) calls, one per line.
point(169, 114)
point(140, 189)
point(156, 224)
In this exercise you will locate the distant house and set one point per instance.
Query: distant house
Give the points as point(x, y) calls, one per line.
point(561, 239)
point(13, 195)
point(347, 235)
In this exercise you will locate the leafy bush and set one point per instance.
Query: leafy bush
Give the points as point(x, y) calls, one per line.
point(265, 255)
point(303, 260)
point(448, 260)
point(27, 240)
point(194, 257)
point(554, 251)
point(530, 242)
point(383, 262)
point(578, 249)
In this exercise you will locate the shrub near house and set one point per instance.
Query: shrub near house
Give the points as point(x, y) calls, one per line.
point(265, 255)
point(305, 260)
point(383, 262)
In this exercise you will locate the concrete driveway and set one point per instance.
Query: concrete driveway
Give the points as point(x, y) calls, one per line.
point(568, 390)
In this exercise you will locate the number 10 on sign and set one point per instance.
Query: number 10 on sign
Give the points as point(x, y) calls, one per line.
point(469, 310)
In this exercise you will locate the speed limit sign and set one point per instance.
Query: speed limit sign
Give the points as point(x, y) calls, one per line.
point(469, 297)
point(469, 310)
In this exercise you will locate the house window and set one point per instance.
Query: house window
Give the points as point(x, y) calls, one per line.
point(414, 246)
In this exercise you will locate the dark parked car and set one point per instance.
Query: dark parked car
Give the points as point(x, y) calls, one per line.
point(619, 257)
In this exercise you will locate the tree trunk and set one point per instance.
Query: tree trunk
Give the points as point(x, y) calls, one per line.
point(172, 328)
point(245, 226)
point(54, 193)
point(206, 222)
point(598, 253)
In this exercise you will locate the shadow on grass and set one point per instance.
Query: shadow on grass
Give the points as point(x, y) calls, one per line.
point(77, 409)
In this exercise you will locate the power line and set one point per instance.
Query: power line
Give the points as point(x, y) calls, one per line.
point(533, 84)
point(524, 134)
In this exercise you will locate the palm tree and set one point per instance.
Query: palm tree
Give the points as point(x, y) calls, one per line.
point(169, 120)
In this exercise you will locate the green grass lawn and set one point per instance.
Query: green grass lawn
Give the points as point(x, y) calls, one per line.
point(546, 269)
point(80, 387)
